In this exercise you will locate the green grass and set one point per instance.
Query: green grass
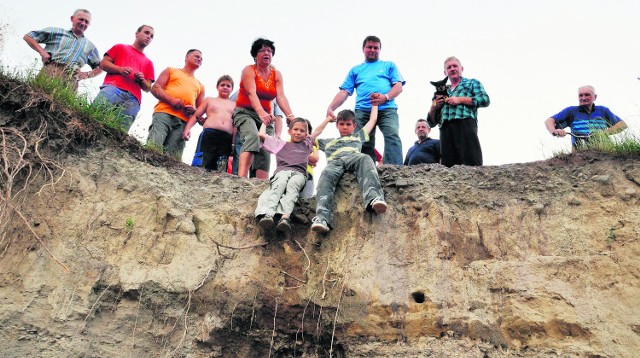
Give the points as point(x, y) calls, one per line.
point(625, 142)
point(153, 147)
point(128, 225)
point(63, 93)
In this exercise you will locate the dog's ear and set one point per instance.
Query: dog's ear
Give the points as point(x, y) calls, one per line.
point(434, 83)
point(445, 80)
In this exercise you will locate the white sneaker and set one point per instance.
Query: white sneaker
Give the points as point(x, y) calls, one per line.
point(379, 206)
point(319, 225)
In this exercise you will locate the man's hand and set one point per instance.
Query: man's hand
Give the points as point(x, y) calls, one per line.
point(188, 110)
point(378, 99)
point(46, 57)
point(438, 102)
point(330, 113)
point(558, 132)
point(186, 134)
point(138, 77)
point(454, 101)
point(177, 103)
point(126, 71)
point(266, 118)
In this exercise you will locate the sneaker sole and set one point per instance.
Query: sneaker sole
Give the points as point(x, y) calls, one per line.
point(380, 207)
point(266, 224)
point(283, 227)
point(319, 228)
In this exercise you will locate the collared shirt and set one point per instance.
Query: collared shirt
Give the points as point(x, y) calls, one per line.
point(582, 122)
point(369, 77)
point(466, 88)
point(337, 147)
point(426, 152)
point(66, 48)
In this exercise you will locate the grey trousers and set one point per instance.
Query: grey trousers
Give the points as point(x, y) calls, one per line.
point(367, 176)
point(282, 194)
point(166, 132)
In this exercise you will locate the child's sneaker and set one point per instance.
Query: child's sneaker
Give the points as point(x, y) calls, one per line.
point(284, 225)
point(266, 222)
point(379, 206)
point(319, 225)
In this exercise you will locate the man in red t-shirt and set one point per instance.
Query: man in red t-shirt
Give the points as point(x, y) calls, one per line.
point(129, 72)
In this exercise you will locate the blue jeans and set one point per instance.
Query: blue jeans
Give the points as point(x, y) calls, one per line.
point(366, 174)
point(128, 103)
point(389, 125)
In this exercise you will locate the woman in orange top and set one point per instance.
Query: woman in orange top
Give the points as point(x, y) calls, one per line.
point(260, 83)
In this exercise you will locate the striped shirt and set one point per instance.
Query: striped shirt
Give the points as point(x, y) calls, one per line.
point(67, 49)
point(466, 88)
point(582, 122)
point(337, 147)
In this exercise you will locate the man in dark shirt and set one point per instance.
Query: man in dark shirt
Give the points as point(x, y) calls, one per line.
point(425, 149)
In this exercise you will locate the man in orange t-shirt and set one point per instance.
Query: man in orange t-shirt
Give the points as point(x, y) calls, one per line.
point(179, 94)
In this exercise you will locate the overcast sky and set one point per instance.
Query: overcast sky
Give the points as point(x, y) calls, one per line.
point(531, 56)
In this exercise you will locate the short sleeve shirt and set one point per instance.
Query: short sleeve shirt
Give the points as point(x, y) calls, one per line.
point(335, 148)
point(369, 77)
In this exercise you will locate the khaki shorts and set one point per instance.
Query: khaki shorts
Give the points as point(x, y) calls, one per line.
point(248, 123)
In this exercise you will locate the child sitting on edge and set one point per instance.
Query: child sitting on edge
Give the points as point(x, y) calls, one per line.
point(290, 175)
point(343, 154)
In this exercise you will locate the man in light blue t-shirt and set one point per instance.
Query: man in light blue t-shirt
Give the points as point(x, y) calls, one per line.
point(376, 82)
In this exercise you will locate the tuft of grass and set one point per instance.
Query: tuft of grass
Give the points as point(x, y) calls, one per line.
point(63, 93)
point(152, 146)
point(621, 143)
point(128, 224)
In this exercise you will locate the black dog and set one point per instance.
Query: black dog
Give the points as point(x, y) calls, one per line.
point(441, 90)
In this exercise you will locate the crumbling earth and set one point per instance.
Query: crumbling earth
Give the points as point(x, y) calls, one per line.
point(123, 252)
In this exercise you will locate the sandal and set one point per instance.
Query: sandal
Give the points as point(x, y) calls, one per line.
point(284, 225)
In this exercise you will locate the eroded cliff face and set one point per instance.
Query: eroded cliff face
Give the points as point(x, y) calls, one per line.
point(536, 259)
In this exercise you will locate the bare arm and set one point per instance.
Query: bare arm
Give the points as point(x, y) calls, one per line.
point(90, 74)
point(37, 48)
point(158, 91)
point(338, 100)
point(378, 99)
point(550, 124)
point(395, 90)
point(186, 134)
point(281, 98)
point(316, 133)
point(616, 128)
point(262, 133)
point(436, 104)
point(277, 125)
point(314, 157)
point(373, 118)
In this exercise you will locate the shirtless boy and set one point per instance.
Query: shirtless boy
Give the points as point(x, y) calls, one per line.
point(218, 127)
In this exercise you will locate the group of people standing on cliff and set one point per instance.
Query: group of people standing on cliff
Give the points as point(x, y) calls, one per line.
point(251, 124)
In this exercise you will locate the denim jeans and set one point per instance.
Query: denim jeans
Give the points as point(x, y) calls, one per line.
point(128, 103)
point(389, 125)
point(366, 174)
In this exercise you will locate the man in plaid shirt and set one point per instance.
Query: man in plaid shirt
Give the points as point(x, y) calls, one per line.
point(66, 51)
point(459, 129)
